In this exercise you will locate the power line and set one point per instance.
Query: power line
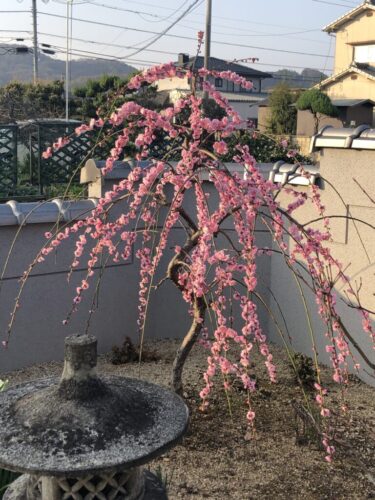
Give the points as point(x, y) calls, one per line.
point(192, 8)
point(116, 45)
point(215, 17)
point(299, 78)
point(15, 31)
point(169, 16)
point(138, 12)
point(99, 55)
point(91, 2)
point(81, 52)
point(108, 44)
point(286, 66)
point(174, 11)
point(182, 37)
point(14, 12)
point(257, 33)
point(334, 3)
point(165, 32)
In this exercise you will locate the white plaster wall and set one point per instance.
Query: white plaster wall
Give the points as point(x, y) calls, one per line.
point(353, 244)
point(38, 332)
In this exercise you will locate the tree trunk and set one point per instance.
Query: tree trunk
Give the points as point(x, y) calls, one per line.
point(316, 123)
point(199, 310)
point(187, 344)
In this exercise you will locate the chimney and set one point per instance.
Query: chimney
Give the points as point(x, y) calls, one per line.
point(183, 59)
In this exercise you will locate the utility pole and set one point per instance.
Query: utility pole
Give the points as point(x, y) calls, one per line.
point(207, 44)
point(69, 21)
point(35, 42)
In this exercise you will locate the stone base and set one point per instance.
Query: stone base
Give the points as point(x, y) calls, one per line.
point(18, 490)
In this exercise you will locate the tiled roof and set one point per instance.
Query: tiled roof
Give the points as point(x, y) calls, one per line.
point(351, 69)
point(351, 14)
point(349, 103)
point(221, 65)
point(242, 96)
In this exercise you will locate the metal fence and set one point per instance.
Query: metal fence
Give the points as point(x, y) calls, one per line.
point(24, 173)
point(8, 158)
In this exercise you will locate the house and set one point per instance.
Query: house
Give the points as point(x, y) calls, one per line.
point(244, 101)
point(352, 85)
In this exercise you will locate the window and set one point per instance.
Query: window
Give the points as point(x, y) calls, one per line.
point(218, 82)
point(364, 54)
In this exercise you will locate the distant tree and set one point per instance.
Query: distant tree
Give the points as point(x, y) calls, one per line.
point(306, 79)
point(263, 148)
point(313, 75)
point(283, 119)
point(105, 94)
point(24, 101)
point(212, 110)
point(318, 103)
point(96, 93)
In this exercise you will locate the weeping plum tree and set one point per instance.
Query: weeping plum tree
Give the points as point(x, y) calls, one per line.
point(213, 279)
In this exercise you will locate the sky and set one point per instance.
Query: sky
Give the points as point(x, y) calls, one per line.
point(281, 33)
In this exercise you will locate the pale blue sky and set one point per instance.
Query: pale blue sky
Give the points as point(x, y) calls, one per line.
point(290, 25)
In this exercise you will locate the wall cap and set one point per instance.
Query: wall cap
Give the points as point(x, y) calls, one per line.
point(91, 172)
point(15, 213)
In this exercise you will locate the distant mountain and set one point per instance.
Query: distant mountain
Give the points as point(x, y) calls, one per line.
point(307, 78)
point(20, 67)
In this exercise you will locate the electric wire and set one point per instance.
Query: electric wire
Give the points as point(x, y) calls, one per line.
point(166, 30)
point(138, 12)
point(253, 34)
point(90, 54)
point(156, 51)
point(183, 37)
point(334, 3)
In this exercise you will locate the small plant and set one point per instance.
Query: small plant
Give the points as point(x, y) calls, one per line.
point(128, 353)
point(304, 370)
point(3, 384)
point(307, 424)
point(164, 478)
point(6, 478)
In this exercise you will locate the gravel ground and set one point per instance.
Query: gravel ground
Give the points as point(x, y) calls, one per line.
point(218, 460)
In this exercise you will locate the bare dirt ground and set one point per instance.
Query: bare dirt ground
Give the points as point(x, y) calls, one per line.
point(216, 461)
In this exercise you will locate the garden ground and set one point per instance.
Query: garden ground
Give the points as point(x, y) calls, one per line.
point(218, 459)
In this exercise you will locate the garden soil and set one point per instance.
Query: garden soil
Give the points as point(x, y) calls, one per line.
point(282, 459)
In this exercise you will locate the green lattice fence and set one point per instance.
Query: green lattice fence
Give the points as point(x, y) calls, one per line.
point(64, 165)
point(8, 160)
point(24, 173)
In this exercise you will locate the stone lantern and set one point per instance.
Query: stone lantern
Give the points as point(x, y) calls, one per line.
point(85, 437)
